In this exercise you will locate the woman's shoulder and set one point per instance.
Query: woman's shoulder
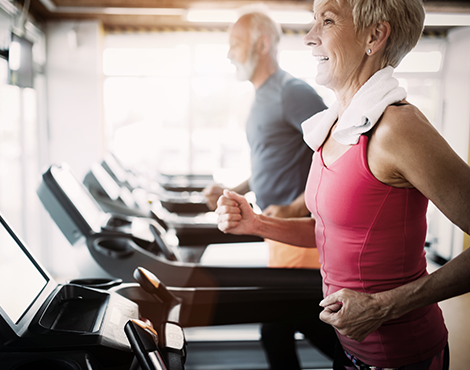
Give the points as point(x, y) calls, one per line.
point(400, 134)
point(402, 113)
point(401, 122)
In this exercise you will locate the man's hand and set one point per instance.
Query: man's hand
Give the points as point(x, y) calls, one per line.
point(275, 210)
point(212, 194)
point(354, 314)
point(296, 208)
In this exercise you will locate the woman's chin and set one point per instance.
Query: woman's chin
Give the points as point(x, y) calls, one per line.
point(322, 79)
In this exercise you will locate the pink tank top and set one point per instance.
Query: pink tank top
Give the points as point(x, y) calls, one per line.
point(370, 238)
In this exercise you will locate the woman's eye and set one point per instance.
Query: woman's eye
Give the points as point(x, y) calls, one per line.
point(327, 21)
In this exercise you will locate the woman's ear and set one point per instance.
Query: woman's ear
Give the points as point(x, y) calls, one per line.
point(378, 37)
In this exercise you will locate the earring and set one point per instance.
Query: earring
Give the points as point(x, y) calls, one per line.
point(369, 51)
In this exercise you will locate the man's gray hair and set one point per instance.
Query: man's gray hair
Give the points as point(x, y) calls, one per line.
point(262, 24)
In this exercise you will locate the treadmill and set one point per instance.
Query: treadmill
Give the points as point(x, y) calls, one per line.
point(215, 289)
point(47, 325)
point(100, 324)
point(176, 195)
point(194, 229)
point(113, 197)
point(175, 182)
point(120, 245)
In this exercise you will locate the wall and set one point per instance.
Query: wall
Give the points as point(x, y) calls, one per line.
point(456, 121)
point(75, 133)
point(74, 75)
point(20, 136)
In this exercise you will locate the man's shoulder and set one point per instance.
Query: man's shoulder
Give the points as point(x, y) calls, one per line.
point(297, 91)
point(294, 85)
point(289, 80)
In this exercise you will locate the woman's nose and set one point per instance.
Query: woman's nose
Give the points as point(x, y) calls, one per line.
point(311, 38)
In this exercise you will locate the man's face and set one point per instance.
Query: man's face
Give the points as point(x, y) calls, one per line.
point(242, 52)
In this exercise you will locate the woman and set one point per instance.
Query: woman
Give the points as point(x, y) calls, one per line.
point(377, 162)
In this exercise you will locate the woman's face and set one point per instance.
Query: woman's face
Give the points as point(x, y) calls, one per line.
point(339, 52)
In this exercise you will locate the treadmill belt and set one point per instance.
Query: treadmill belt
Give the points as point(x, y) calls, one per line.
point(245, 355)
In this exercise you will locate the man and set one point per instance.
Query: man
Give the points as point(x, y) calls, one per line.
point(280, 162)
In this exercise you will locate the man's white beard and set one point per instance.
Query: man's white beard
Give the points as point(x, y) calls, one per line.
point(245, 70)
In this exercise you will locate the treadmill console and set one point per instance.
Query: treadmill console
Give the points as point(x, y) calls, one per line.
point(43, 323)
point(80, 217)
point(70, 205)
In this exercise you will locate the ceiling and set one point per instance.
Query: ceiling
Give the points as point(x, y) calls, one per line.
point(144, 14)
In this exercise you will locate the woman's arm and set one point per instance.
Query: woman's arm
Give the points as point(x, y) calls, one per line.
point(359, 314)
point(236, 216)
point(406, 151)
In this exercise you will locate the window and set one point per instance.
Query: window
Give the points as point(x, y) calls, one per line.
point(176, 107)
point(173, 105)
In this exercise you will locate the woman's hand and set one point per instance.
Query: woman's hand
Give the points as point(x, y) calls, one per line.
point(354, 314)
point(235, 214)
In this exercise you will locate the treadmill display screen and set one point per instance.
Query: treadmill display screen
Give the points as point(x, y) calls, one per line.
point(78, 195)
point(21, 281)
point(111, 188)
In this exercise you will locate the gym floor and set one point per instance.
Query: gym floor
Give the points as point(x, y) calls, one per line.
point(457, 317)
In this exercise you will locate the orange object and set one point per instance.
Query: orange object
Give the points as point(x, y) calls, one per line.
point(289, 256)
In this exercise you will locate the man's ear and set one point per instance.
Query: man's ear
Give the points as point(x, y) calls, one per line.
point(378, 36)
point(263, 46)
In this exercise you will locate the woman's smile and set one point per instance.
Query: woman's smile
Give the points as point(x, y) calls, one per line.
point(320, 59)
point(336, 47)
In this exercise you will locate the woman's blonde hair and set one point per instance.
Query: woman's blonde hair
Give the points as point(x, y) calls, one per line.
point(406, 19)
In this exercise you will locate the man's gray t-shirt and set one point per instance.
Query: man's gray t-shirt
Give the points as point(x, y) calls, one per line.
point(280, 159)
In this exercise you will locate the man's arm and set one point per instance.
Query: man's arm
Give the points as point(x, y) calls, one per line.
point(242, 188)
point(300, 102)
point(295, 209)
point(213, 193)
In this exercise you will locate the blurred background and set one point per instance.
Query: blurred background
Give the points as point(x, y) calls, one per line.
point(149, 80)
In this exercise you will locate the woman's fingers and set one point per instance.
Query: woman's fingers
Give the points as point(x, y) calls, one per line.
point(234, 214)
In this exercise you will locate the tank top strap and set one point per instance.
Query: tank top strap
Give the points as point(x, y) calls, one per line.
point(369, 133)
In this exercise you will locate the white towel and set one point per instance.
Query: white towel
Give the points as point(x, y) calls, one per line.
point(363, 112)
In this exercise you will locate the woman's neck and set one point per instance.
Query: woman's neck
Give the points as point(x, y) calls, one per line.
point(346, 92)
